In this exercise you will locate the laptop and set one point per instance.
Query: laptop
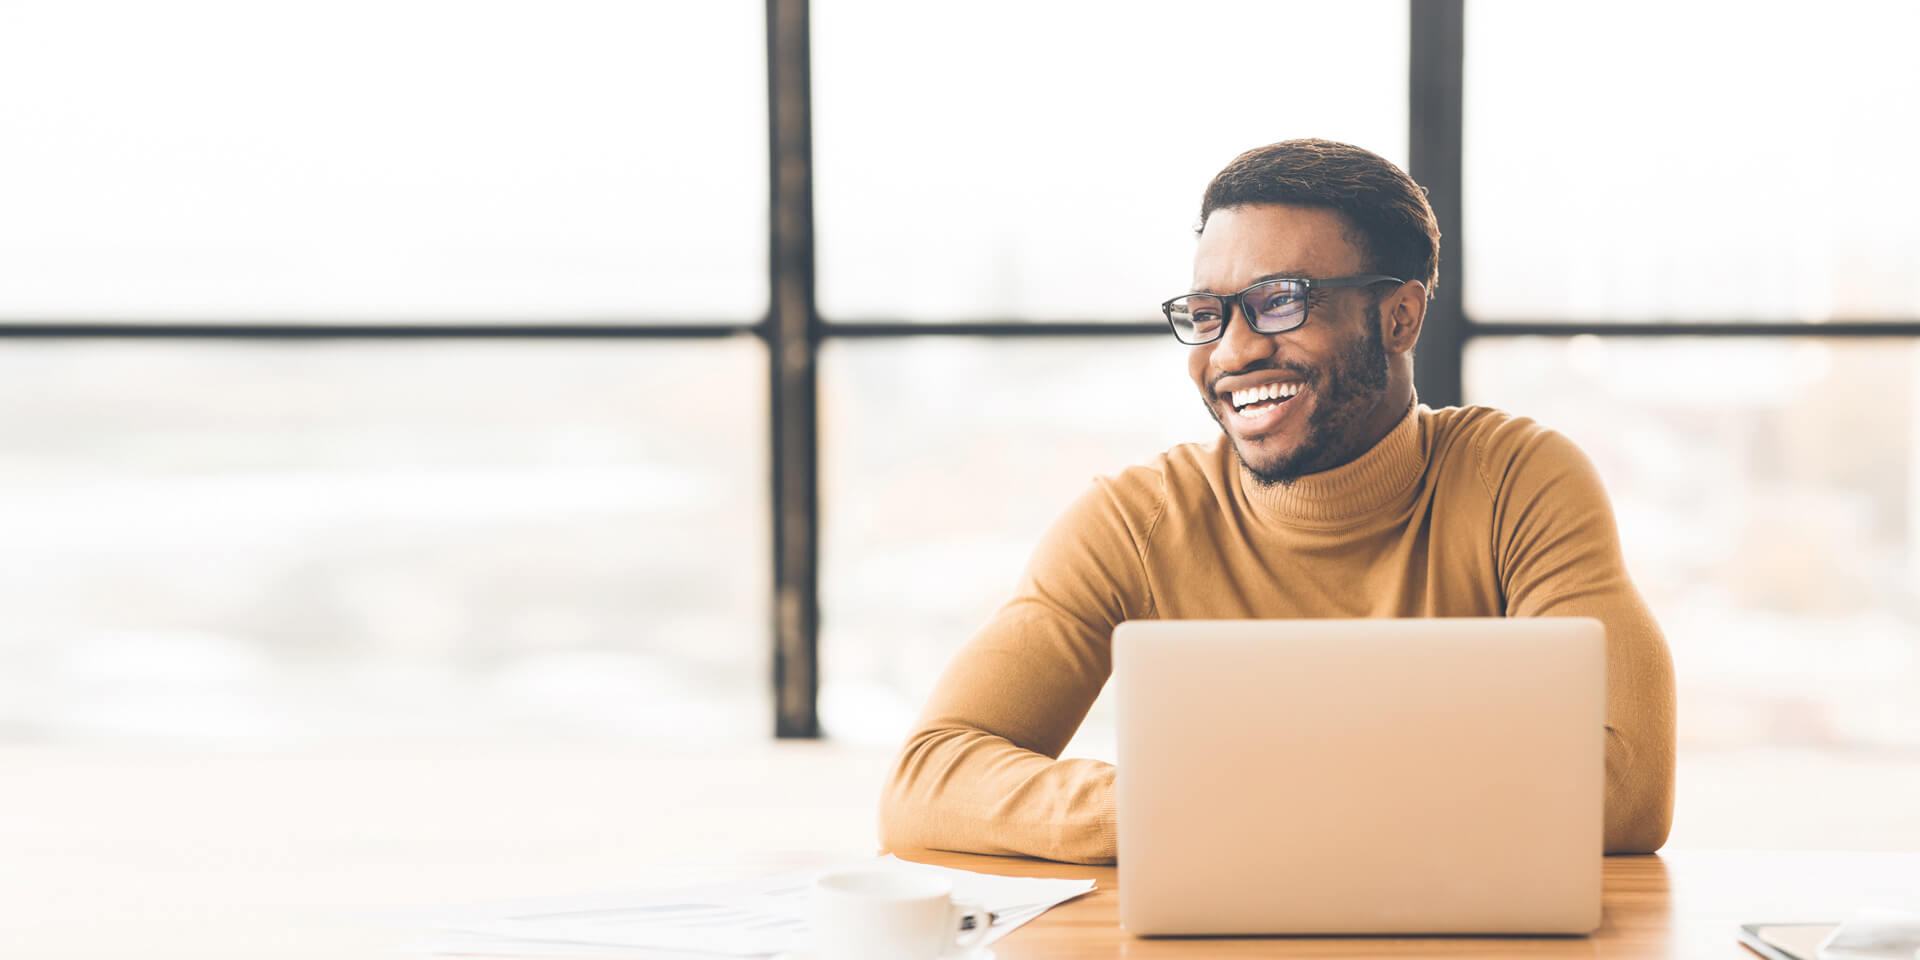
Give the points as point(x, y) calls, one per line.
point(1423, 776)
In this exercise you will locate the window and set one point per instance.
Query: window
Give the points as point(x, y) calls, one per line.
point(382, 160)
point(218, 532)
point(250, 501)
point(254, 540)
point(1690, 162)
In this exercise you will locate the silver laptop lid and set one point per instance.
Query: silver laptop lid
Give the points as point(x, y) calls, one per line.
point(1361, 776)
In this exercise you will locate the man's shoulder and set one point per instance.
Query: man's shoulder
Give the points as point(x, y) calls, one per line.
point(1500, 445)
point(1178, 468)
point(1179, 473)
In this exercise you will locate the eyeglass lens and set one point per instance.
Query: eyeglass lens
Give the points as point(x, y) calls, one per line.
point(1273, 307)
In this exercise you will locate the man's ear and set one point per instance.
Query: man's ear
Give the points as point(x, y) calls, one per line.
point(1401, 314)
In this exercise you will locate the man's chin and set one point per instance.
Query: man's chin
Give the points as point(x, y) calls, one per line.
point(1270, 467)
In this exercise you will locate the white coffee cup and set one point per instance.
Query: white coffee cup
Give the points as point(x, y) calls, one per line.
point(877, 914)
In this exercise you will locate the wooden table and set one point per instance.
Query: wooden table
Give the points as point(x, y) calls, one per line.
point(1683, 904)
point(255, 854)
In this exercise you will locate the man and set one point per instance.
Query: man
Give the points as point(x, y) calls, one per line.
point(1332, 493)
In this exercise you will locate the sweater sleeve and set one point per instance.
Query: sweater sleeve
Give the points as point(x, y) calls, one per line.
point(980, 773)
point(1557, 550)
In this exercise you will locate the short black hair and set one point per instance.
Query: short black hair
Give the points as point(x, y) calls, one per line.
point(1387, 214)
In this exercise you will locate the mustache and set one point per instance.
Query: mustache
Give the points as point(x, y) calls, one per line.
point(1305, 373)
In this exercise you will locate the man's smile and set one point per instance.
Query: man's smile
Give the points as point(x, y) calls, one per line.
point(1259, 408)
point(1246, 400)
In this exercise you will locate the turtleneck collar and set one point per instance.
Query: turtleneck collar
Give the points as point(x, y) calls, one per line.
point(1373, 480)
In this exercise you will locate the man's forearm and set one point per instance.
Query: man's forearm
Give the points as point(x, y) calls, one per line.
point(956, 788)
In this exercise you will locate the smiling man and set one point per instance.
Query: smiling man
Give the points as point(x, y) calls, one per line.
point(1332, 493)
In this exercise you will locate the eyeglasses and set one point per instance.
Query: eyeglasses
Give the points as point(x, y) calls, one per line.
point(1270, 306)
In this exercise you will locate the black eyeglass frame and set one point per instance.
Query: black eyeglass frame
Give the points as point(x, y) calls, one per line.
point(1307, 286)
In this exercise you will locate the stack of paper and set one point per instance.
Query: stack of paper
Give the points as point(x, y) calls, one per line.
point(761, 917)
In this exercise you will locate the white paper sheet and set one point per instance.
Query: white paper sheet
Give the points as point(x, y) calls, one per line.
point(1875, 933)
point(758, 917)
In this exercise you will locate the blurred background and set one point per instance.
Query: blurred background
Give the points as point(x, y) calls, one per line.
point(1688, 234)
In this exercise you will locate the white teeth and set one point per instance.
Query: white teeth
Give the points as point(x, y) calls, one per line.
point(1269, 391)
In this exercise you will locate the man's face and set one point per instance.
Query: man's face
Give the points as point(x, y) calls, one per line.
point(1336, 360)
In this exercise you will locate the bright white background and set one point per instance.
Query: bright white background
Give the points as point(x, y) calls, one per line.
point(368, 160)
point(1691, 161)
point(214, 542)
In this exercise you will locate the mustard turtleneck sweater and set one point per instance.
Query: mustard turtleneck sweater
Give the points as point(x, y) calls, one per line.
point(1461, 512)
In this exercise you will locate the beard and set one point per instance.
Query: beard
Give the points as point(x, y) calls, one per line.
point(1344, 395)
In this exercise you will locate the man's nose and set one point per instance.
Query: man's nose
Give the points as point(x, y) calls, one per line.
point(1241, 346)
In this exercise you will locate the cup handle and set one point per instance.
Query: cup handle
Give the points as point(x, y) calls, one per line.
point(970, 939)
